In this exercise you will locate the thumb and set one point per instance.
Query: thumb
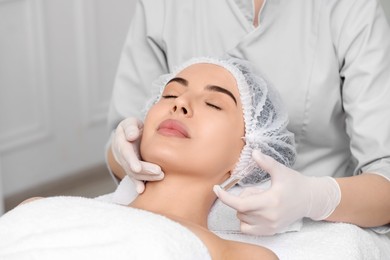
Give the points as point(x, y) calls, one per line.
point(132, 128)
point(139, 186)
point(240, 203)
point(227, 198)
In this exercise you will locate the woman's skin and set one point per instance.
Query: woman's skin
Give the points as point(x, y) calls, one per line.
point(189, 132)
point(258, 4)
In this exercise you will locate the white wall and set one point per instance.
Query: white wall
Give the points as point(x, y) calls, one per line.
point(57, 64)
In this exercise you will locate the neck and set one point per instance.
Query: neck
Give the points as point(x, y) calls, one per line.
point(258, 4)
point(178, 197)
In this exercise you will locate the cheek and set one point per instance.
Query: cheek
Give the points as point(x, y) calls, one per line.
point(223, 142)
point(146, 145)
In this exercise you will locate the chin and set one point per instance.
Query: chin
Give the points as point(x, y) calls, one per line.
point(158, 154)
point(170, 160)
point(161, 150)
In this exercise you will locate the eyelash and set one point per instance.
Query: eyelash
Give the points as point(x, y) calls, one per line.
point(213, 106)
point(208, 104)
point(169, 96)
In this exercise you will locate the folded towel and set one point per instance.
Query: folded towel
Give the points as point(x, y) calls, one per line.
point(80, 228)
point(221, 217)
point(322, 241)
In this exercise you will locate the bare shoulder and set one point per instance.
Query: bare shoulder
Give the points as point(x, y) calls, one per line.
point(239, 250)
point(30, 199)
point(227, 249)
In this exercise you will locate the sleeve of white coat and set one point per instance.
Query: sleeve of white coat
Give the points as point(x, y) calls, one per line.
point(363, 46)
point(142, 61)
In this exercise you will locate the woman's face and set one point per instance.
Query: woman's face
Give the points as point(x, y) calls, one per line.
point(197, 126)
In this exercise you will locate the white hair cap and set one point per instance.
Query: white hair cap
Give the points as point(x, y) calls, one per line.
point(265, 117)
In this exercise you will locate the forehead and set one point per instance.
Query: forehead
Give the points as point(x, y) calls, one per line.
point(209, 74)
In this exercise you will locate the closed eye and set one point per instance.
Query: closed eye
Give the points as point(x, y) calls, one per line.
point(213, 106)
point(169, 96)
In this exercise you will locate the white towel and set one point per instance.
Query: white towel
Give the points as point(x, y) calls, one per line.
point(322, 241)
point(80, 228)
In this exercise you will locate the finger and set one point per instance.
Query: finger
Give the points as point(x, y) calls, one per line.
point(132, 128)
point(248, 219)
point(149, 172)
point(256, 230)
point(131, 159)
point(247, 228)
point(152, 169)
point(255, 217)
point(238, 203)
point(268, 164)
point(139, 186)
point(145, 177)
point(116, 144)
point(230, 200)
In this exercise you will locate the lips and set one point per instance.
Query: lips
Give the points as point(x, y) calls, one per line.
point(173, 128)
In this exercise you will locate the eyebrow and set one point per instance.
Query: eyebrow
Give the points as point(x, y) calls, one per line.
point(184, 82)
point(181, 81)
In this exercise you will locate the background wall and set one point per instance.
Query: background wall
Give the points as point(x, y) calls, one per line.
point(57, 64)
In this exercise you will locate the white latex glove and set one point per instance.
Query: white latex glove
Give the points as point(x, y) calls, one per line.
point(291, 197)
point(125, 148)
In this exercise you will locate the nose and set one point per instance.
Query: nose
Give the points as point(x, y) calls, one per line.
point(182, 106)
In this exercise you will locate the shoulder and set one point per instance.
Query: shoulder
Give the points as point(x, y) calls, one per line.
point(350, 18)
point(332, 7)
point(344, 9)
point(239, 250)
point(30, 200)
point(226, 249)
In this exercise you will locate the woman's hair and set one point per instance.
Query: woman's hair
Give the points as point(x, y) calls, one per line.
point(264, 114)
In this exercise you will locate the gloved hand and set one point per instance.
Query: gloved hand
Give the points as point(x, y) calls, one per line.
point(125, 149)
point(291, 197)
